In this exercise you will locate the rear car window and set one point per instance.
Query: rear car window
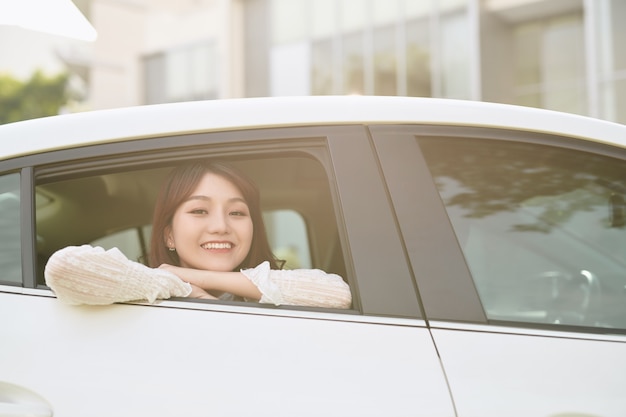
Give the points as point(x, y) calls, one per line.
point(543, 229)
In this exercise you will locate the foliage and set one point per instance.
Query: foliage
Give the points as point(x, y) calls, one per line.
point(40, 96)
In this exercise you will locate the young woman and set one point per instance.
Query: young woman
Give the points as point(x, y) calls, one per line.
point(208, 241)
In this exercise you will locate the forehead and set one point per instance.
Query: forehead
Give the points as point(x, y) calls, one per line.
point(215, 186)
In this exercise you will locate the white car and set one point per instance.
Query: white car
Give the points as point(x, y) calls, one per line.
point(484, 245)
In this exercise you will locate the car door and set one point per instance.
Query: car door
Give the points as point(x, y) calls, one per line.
point(520, 265)
point(197, 357)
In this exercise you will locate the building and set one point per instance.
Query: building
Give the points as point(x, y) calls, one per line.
point(555, 54)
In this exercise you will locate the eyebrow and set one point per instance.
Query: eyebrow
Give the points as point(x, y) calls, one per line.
point(207, 198)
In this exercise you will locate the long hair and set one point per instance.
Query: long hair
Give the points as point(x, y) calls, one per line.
point(179, 185)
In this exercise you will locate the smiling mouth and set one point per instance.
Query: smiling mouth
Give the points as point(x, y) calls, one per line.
point(220, 245)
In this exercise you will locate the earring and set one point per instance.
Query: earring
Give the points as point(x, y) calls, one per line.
point(171, 249)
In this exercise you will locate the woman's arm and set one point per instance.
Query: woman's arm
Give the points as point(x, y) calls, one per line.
point(303, 287)
point(217, 283)
point(91, 275)
point(88, 275)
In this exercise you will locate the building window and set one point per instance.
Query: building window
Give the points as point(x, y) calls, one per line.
point(550, 64)
point(379, 47)
point(181, 74)
point(611, 58)
point(418, 58)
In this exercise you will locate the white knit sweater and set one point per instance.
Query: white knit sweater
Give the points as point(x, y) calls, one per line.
point(91, 275)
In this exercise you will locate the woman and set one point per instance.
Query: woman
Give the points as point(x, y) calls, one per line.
point(208, 241)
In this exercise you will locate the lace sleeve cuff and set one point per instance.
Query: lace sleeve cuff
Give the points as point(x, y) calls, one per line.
point(304, 287)
point(91, 275)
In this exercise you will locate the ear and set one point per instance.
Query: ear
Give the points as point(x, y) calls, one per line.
point(168, 237)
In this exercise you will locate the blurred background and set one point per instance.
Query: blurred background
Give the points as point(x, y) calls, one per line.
point(555, 54)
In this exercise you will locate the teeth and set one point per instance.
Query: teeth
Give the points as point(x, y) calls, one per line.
point(217, 246)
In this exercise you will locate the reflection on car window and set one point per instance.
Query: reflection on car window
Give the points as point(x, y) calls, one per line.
point(543, 229)
point(10, 249)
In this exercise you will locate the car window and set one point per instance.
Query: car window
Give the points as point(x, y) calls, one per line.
point(543, 229)
point(132, 242)
point(114, 209)
point(288, 237)
point(10, 245)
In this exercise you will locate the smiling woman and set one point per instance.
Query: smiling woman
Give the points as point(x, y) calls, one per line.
point(208, 241)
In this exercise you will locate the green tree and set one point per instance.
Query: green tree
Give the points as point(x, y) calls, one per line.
point(39, 96)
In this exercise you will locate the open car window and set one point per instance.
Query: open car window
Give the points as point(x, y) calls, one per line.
point(113, 208)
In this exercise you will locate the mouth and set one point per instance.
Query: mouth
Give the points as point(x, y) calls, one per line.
point(217, 245)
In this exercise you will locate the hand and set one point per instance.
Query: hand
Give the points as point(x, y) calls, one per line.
point(197, 292)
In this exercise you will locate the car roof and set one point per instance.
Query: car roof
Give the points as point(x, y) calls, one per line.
point(95, 127)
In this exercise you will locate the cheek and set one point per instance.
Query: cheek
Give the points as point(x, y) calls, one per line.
point(180, 229)
point(247, 232)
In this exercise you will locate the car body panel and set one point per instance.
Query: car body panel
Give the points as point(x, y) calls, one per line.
point(79, 129)
point(170, 360)
point(531, 373)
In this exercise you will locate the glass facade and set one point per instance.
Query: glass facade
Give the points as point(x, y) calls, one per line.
point(184, 73)
point(373, 47)
point(564, 55)
point(608, 35)
point(550, 64)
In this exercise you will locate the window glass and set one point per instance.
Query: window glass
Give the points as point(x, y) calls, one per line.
point(543, 229)
point(288, 238)
point(322, 68)
point(353, 66)
point(454, 47)
point(181, 74)
point(550, 64)
point(385, 66)
point(418, 58)
point(10, 240)
point(132, 242)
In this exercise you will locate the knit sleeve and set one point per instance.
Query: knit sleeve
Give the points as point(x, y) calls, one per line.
point(91, 275)
point(302, 287)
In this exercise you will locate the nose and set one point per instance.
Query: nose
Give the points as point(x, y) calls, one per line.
point(217, 222)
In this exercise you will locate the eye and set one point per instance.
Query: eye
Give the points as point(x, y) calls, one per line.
point(198, 211)
point(238, 213)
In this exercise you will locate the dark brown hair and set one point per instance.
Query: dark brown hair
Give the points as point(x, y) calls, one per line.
point(179, 185)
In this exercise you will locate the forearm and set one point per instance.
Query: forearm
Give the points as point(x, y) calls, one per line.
point(216, 283)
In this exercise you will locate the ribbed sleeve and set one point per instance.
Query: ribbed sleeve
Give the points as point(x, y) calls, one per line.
point(301, 287)
point(91, 275)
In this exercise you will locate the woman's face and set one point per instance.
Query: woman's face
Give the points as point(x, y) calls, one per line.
point(212, 229)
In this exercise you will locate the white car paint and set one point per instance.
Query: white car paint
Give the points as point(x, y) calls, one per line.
point(194, 359)
point(61, 132)
point(581, 375)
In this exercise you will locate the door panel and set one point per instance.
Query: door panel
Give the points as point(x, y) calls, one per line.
point(196, 359)
point(502, 372)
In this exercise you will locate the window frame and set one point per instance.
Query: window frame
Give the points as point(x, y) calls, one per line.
point(337, 147)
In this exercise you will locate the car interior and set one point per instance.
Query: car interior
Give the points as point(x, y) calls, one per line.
point(113, 208)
